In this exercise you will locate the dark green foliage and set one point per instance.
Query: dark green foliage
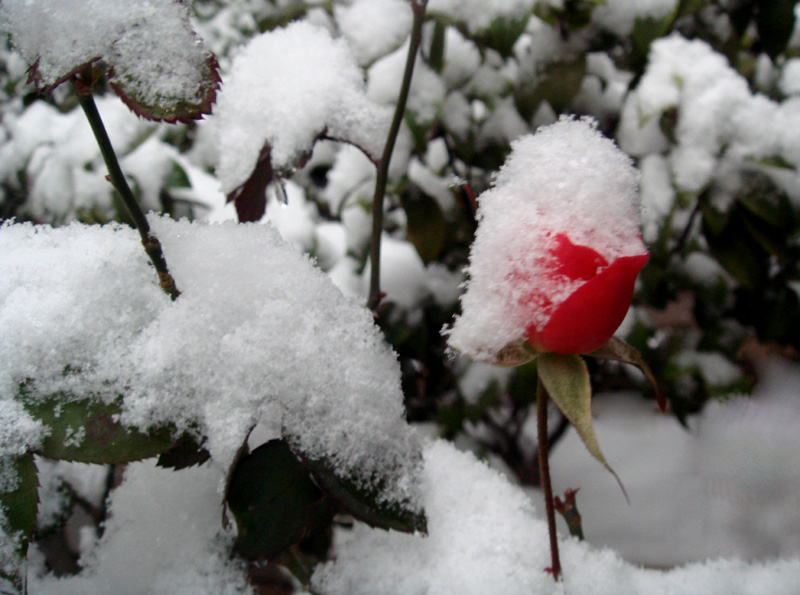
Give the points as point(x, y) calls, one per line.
point(88, 431)
point(364, 502)
point(19, 508)
point(275, 502)
point(185, 453)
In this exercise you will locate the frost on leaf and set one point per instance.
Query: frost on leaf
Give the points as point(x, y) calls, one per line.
point(156, 63)
point(287, 89)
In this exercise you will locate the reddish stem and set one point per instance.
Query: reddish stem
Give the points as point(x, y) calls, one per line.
point(544, 473)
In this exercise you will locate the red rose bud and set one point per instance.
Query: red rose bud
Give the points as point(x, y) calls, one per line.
point(557, 249)
point(588, 317)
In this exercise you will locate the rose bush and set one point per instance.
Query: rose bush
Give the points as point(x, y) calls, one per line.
point(586, 319)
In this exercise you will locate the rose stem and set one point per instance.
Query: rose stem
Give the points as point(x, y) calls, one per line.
point(544, 474)
point(151, 244)
point(418, 7)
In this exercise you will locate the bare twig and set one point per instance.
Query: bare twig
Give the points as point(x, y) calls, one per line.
point(151, 244)
point(418, 7)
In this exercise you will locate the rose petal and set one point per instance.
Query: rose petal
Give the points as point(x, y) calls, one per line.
point(587, 319)
point(575, 261)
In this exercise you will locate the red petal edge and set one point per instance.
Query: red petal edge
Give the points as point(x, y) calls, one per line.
point(587, 319)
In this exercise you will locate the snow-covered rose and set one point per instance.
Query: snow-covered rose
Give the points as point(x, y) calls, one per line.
point(558, 246)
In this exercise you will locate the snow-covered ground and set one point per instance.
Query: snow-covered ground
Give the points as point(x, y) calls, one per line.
point(728, 486)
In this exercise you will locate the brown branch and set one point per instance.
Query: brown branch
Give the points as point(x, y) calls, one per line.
point(151, 244)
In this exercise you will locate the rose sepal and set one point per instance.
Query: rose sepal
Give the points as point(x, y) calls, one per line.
point(566, 380)
point(618, 350)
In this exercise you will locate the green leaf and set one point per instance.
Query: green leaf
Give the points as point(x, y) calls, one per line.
point(364, 503)
point(20, 507)
point(566, 379)
point(645, 31)
point(274, 501)
point(88, 431)
point(558, 84)
point(185, 453)
point(775, 161)
point(177, 177)
point(775, 23)
point(618, 350)
point(502, 34)
point(426, 225)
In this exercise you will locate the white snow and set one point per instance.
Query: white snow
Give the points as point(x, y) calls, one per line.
point(163, 537)
point(373, 28)
point(285, 88)
point(567, 178)
point(402, 273)
point(480, 14)
point(258, 335)
point(427, 89)
point(620, 16)
point(485, 536)
point(714, 134)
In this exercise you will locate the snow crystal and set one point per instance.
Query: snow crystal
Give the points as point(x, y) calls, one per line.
point(374, 27)
point(62, 35)
point(258, 334)
point(285, 88)
point(565, 178)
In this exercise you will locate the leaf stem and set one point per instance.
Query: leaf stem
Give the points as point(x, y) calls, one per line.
point(151, 244)
point(542, 399)
point(418, 8)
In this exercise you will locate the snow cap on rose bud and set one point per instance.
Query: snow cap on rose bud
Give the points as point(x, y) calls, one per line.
point(558, 247)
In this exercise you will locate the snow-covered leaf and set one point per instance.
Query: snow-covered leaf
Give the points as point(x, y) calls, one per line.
point(87, 431)
point(364, 503)
point(156, 63)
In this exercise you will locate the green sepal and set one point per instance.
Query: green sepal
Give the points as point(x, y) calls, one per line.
point(510, 356)
point(566, 380)
point(618, 350)
point(89, 431)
